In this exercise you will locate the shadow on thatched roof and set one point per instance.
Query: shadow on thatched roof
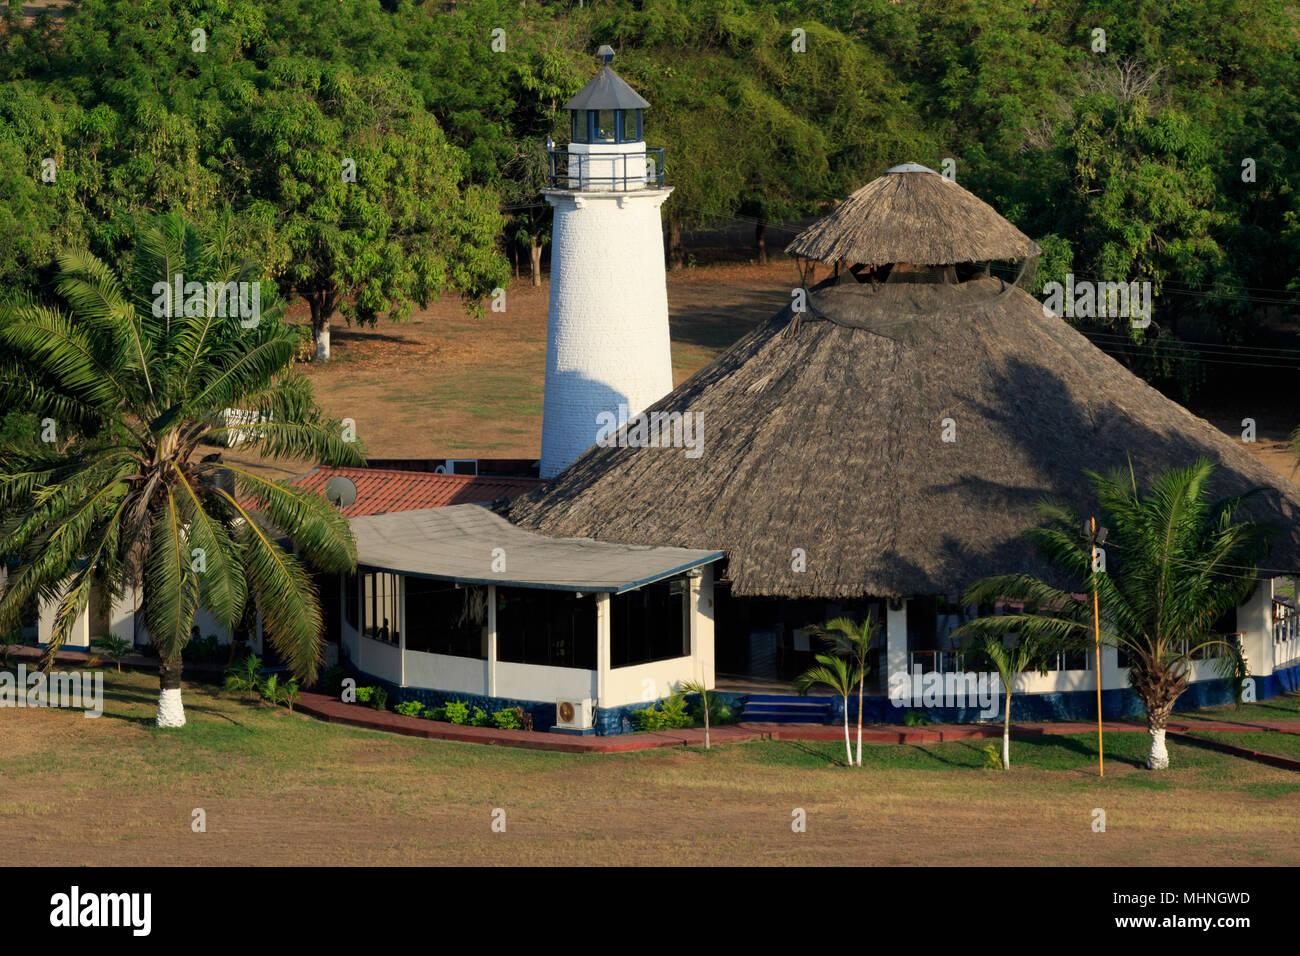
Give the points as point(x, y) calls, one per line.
point(827, 436)
point(912, 214)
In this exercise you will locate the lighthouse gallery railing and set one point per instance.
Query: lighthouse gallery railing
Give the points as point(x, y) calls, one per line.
point(616, 172)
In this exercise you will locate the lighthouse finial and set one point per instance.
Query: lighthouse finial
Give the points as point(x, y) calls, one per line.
point(605, 54)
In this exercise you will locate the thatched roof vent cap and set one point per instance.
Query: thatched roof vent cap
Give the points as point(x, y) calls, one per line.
point(915, 216)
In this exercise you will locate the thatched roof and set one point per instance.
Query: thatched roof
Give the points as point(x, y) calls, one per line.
point(912, 214)
point(826, 435)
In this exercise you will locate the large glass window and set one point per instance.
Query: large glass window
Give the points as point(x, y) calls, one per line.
point(351, 604)
point(649, 624)
point(578, 126)
point(537, 626)
point(442, 618)
point(630, 132)
point(604, 131)
point(382, 604)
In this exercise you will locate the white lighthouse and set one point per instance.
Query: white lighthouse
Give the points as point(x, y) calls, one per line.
point(607, 338)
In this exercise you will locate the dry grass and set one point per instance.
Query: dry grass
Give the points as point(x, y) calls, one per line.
point(280, 789)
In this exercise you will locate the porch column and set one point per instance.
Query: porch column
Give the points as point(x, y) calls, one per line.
point(401, 628)
point(78, 634)
point(492, 640)
point(702, 624)
point(1255, 621)
point(602, 646)
point(895, 639)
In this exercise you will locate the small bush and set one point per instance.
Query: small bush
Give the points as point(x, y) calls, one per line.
point(914, 718)
point(242, 678)
point(512, 718)
point(409, 708)
point(457, 712)
point(435, 713)
point(331, 682)
point(480, 718)
point(720, 711)
point(365, 694)
point(669, 714)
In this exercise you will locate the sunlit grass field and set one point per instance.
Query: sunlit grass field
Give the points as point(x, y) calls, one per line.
point(278, 788)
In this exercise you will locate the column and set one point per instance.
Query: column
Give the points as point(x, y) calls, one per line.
point(400, 623)
point(895, 638)
point(492, 640)
point(1255, 621)
point(602, 647)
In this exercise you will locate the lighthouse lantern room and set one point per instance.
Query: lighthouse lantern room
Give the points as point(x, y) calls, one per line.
point(607, 337)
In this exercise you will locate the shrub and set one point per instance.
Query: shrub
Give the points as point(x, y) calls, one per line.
point(270, 688)
point(435, 713)
point(668, 714)
point(409, 708)
point(242, 678)
point(480, 718)
point(289, 693)
point(720, 711)
point(376, 697)
point(331, 682)
point(915, 718)
point(457, 712)
point(115, 647)
point(365, 694)
point(512, 718)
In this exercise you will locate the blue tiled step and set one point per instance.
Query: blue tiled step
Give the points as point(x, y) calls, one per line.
point(782, 709)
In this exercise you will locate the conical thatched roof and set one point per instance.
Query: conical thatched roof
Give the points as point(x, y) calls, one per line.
point(912, 214)
point(825, 434)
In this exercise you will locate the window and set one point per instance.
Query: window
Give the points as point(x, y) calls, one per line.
point(536, 626)
point(578, 126)
point(649, 624)
point(351, 606)
point(604, 131)
point(630, 131)
point(382, 603)
point(445, 619)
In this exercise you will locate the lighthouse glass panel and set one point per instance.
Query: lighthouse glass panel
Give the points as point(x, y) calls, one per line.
point(605, 126)
point(631, 131)
point(578, 126)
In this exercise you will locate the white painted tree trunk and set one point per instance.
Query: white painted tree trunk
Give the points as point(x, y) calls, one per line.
point(848, 747)
point(1158, 758)
point(1006, 750)
point(323, 343)
point(171, 712)
point(859, 725)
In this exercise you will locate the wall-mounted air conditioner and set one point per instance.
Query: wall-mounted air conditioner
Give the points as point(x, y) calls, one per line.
point(575, 714)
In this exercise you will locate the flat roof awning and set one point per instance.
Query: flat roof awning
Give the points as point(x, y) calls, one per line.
point(456, 543)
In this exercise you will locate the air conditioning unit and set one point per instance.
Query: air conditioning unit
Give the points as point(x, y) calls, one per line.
point(457, 466)
point(575, 714)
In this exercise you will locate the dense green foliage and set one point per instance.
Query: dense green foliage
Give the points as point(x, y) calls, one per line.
point(1124, 163)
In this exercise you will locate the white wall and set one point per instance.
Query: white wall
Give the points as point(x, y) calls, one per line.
point(78, 638)
point(607, 339)
point(540, 682)
point(444, 672)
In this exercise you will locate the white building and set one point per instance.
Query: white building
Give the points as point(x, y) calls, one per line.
point(607, 339)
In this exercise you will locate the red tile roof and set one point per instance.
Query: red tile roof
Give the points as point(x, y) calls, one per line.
point(380, 491)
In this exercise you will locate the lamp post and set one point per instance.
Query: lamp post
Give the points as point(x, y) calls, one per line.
point(1098, 537)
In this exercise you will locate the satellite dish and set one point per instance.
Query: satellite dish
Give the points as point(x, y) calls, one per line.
point(340, 491)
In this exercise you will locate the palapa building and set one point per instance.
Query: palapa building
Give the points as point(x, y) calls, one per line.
point(885, 447)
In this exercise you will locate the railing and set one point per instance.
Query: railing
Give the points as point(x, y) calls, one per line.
point(607, 172)
point(1286, 635)
point(942, 662)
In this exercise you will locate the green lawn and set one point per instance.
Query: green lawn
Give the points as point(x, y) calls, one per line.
point(279, 788)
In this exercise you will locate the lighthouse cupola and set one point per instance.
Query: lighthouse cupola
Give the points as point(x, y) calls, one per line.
point(607, 148)
point(608, 355)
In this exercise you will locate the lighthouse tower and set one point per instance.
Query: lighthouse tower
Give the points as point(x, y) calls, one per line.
point(607, 337)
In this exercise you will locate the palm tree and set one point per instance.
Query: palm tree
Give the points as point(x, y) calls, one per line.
point(124, 495)
point(1029, 650)
point(1177, 561)
point(697, 687)
point(839, 676)
point(853, 640)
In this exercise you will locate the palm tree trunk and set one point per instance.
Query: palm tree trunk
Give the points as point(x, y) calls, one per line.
point(706, 723)
point(1006, 737)
point(535, 260)
point(1157, 718)
point(676, 254)
point(171, 712)
point(848, 748)
point(861, 683)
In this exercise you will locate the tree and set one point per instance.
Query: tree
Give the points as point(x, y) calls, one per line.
point(697, 687)
point(125, 496)
point(839, 676)
point(1176, 561)
point(1030, 649)
point(853, 641)
point(367, 202)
